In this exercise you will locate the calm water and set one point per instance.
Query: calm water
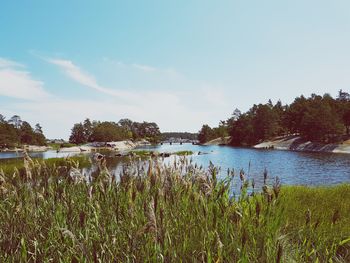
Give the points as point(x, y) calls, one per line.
point(291, 167)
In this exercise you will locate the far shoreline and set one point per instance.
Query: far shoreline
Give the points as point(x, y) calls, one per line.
point(283, 143)
point(289, 143)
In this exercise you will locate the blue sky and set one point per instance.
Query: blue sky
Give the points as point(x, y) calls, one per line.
point(178, 63)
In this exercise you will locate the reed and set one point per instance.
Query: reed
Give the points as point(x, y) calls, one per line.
point(155, 212)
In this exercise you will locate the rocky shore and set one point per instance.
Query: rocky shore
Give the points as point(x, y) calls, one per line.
point(28, 148)
point(295, 143)
point(219, 141)
point(119, 146)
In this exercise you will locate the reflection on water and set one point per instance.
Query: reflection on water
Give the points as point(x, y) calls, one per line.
point(291, 167)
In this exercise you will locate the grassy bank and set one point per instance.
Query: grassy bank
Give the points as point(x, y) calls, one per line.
point(57, 146)
point(12, 165)
point(157, 213)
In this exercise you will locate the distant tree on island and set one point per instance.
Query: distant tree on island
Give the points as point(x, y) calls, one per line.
point(108, 131)
point(317, 118)
point(97, 131)
point(16, 132)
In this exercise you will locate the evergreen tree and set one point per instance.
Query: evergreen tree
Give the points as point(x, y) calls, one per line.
point(39, 135)
point(88, 129)
point(78, 134)
point(27, 133)
point(205, 134)
point(2, 118)
point(15, 121)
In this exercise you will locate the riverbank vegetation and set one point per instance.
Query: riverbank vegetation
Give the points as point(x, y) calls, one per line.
point(97, 131)
point(15, 132)
point(316, 118)
point(161, 213)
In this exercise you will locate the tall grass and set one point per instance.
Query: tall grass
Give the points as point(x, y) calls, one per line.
point(165, 213)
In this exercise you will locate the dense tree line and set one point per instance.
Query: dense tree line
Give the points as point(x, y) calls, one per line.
point(97, 131)
point(207, 133)
point(316, 118)
point(16, 132)
point(179, 135)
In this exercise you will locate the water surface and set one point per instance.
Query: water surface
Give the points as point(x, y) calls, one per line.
point(293, 168)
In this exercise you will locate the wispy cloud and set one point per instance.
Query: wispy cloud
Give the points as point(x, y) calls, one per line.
point(16, 82)
point(5, 63)
point(78, 75)
point(145, 68)
point(171, 108)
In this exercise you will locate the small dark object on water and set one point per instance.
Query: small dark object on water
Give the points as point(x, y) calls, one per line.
point(164, 154)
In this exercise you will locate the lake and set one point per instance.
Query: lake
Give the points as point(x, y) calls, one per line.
point(293, 168)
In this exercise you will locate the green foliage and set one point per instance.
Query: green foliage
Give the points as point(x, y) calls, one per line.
point(97, 131)
point(108, 131)
point(16, 132)
point(146, 130)
point(207, 133)
point(57, 146)
point(50, 213)
point(8, 135)
point(9, 166)
point(320, 123)
point(346, 119)
point(242, 130)
point(183, 153)
point(78, 134)
point(317, 118)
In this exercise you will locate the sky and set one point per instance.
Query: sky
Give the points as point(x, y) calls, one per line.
point(179, 63)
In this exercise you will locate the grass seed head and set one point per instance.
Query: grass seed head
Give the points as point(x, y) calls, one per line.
point(265, 176)
point(336, 216)
point(241, 175)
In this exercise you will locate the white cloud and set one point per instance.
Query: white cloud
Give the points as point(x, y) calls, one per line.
point(57, 116)
point(78, 75)
point(172, 110)
point(145, 68)
point(18, 83)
